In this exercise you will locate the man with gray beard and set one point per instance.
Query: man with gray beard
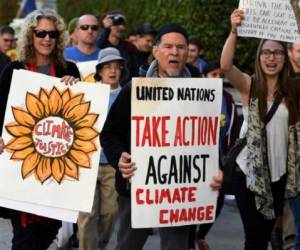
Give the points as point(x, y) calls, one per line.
point(170, 52)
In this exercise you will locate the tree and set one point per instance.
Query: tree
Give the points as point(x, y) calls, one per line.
point(8, 10)
point(208, 19)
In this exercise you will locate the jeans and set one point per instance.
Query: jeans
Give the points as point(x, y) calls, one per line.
point(295, 206)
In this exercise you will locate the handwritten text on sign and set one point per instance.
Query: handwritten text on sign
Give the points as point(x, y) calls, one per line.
point(174, 127)
point(269, 19)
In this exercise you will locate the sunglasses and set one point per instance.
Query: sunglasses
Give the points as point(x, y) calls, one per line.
point(87, 26)
point(8, 40)
point(53, 34)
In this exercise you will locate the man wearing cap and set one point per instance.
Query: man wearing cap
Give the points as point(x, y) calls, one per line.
point(87, 32)
point(170, 52)
point(114, 24)
point(145, 35)
point(95, 228)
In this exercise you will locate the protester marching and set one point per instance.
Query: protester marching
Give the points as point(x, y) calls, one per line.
point(107, 140)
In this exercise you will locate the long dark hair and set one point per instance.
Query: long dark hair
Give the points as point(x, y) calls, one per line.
point(259, 81)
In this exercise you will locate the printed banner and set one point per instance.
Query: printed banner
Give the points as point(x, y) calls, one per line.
point(51, 132)
point(174, 143)
point(269, 19)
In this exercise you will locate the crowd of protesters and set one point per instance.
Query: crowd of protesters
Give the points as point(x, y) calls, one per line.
point(266, 179)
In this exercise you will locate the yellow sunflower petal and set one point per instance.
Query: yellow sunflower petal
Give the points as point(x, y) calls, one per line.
point(19, 143)
point(66, 96)
point(34, 106)
point(22, 154)
point(87, 121)
point(71, 168)
point(85, 146)
point(45, 100)
point(58, 169)
point(23, 118)
point(77, 112)
point(86, 134)
point(18, 130)
point(72, 103)
point(43, 169)
point(80, 158)
point(55, 101)
point(30, 164)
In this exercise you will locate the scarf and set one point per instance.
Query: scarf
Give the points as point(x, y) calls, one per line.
point(153, 71)
point(258, 176)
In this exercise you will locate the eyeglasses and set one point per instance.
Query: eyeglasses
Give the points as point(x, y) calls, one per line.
point(87, 26)
point(111, 66)
point(278, 53)
point(53, 34)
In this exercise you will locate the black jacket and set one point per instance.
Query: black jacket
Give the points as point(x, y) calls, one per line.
point(4, 60)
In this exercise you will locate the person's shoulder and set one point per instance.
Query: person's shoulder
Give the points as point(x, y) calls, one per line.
point(70, 53)
point(129, 46)
point(4, 58)
point(14, 65)
point(195, 72)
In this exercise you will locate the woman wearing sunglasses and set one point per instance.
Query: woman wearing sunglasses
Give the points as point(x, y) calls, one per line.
point(40, 46)
point(269, 164)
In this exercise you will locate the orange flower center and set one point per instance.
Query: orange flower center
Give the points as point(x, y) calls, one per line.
point(53, 136)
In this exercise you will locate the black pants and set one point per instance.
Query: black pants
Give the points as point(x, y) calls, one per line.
point(35, 236)
point(257, 228)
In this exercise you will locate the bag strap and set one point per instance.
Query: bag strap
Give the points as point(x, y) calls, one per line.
point(268, 117)
point(273, 109)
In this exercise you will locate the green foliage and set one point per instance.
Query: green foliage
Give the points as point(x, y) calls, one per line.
point(8, 10)
point(208, 19)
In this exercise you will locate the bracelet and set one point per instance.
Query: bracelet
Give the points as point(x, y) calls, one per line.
point(234, 30)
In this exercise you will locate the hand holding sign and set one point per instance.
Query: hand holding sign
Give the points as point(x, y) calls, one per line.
point(69, 80)
point(126, 167)
point(217, 181)
point(236, 19)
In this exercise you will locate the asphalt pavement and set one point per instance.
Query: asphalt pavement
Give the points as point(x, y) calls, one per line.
point(226, 234)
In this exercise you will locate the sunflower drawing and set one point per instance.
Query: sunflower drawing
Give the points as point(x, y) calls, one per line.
point(54, 137)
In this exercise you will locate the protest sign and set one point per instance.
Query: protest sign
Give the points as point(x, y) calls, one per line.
point(87, 70)
point(269, 19)
point(50, 212)
point(174, 143)
point(51, 132)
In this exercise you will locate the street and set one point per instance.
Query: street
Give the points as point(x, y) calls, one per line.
point(226, 234)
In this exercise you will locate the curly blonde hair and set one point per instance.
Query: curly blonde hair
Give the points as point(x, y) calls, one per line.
point(26, 53)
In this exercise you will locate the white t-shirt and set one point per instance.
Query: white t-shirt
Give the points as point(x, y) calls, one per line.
point(277, 142)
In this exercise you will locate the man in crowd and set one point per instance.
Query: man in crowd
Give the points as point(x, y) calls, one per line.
point(195, 52)
point(170, 52)
point(145, 35)
point(114, 24)
point(7, 38)
point(294, 56)
point(87, 32)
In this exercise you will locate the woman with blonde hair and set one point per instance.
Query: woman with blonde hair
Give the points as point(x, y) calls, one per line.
point(40, 46)
point(268, 166)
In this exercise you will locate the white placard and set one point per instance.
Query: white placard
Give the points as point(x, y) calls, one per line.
point(174, 143)
point(48, 123)
point(269, 19)
point(87, 70)
point(50, 212)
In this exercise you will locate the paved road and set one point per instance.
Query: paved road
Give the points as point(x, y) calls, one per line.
point(226, 234)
